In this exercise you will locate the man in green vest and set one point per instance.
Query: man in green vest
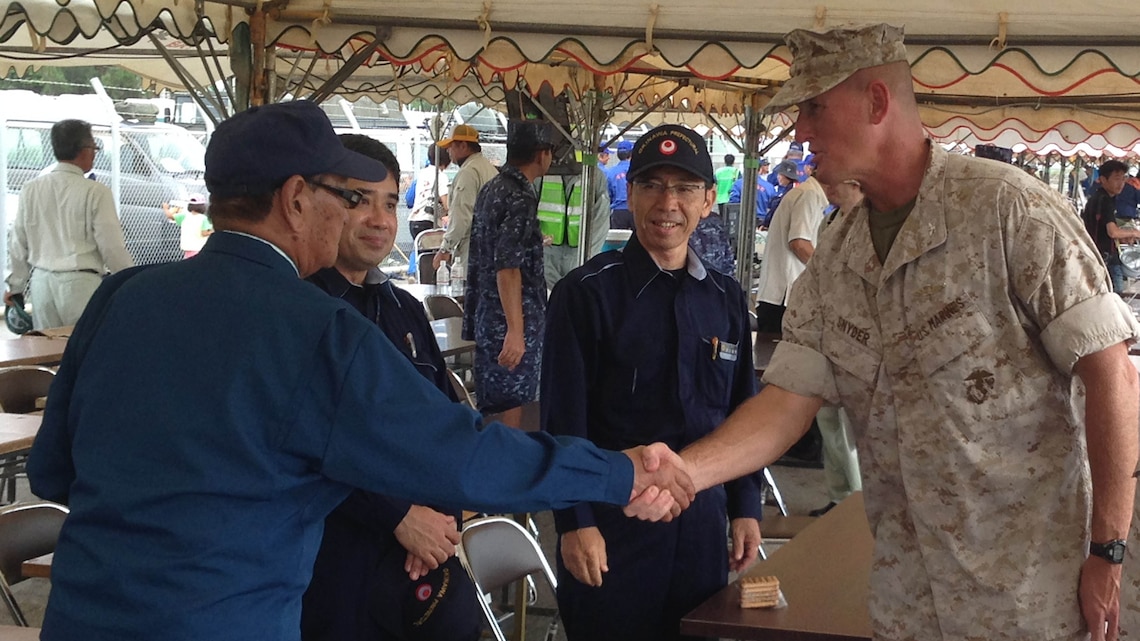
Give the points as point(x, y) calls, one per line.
point(560, 219)
point(725, 176)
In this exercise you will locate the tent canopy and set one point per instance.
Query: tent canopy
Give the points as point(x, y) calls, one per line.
point(1041, 72)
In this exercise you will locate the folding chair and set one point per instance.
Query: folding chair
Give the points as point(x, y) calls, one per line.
point(20, 387)
point(460, 389)
point(497, 551)
point(26, 531)
point(424, 247)
point(440, 307)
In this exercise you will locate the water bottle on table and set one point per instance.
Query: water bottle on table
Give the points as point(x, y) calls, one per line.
point(443, 279)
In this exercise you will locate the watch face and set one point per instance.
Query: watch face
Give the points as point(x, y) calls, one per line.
point(1113, 551)
point(1116, 552)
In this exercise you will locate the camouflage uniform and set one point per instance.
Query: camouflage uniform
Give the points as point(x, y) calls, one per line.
point(710, 241)
point(1130, 582)
point(505, 235)
point(954, 362)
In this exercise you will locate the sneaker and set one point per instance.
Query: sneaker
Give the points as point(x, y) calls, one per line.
point(823, 510)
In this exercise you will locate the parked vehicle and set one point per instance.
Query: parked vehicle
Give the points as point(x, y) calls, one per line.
point(144, 164)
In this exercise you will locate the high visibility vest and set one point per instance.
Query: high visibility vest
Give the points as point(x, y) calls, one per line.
point(559, 216)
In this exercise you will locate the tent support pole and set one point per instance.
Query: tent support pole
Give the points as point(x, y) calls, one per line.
point(746, 223)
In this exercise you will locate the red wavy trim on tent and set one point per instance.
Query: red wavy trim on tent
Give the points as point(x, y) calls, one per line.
point(1026, 82)
point(988, 135)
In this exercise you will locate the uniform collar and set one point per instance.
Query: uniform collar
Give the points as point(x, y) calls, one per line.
point(251, 247)
point(642, 269)
point(516, 174)
point(923, 230)
point(67, 168)
point(337, 285)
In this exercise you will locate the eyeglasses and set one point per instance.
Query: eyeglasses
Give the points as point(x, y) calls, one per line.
point(682, 191)
point(350, 196)
point(96, 145)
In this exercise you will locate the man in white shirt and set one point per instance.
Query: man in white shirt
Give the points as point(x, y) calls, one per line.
point(66, 234)
point(792, 235)
point(425, 215)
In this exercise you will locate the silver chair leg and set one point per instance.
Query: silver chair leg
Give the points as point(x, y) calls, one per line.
point(775, 492)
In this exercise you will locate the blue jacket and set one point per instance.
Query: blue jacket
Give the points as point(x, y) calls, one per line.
point(615, 177)
point(199, 465)
point(764, 194)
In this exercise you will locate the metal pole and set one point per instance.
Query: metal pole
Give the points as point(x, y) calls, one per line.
point(4, 213)
point(591, 129)
point(746, 225)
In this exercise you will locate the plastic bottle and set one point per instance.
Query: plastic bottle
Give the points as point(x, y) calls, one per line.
point(458, 277)
point(443, 278)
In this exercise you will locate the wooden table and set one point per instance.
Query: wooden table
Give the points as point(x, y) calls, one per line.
point(17, 431)
point(824, 573)
point(422, 291)
point(449, 335)
point(17, 633)
point(31, 350)
point(37, 568)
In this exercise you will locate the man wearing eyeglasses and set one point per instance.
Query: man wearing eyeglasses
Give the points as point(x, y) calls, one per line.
point(66, 234)
point(645, 344)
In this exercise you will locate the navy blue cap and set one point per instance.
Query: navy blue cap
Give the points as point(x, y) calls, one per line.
point(529, 135)
point(625, 145)
point(675, 146)
point(257, 150)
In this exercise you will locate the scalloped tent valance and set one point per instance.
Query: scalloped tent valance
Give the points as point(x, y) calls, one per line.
point(1035, 70)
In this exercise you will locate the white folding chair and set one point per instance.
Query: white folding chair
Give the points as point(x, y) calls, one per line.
point(497, 551)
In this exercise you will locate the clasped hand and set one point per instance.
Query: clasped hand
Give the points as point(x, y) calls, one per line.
point(661, 484)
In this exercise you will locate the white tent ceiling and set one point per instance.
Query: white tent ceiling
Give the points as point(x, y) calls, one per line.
point(1043, 72)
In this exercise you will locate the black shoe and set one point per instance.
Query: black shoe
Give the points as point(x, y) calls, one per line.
point(823, 510)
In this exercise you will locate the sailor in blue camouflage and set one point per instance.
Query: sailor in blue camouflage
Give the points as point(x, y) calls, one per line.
point(710, 241)
point(505, 236)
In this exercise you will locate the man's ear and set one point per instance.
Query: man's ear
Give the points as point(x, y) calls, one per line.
point(880, 100)
point(295, 199)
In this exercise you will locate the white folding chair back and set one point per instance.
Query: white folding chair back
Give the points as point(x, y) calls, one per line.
point(497, 551)
point(428, 240)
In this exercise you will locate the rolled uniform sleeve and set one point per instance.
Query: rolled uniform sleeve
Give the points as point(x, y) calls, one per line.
point(798, 364)
point(1066, 290)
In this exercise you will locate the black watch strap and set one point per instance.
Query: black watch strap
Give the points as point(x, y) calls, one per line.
point(1112, 551)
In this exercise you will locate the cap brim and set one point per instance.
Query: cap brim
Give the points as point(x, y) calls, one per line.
point(630, 176)
point(358, 166)
point(446, 142)
point(801, 88)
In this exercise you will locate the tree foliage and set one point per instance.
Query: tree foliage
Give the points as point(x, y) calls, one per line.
point(53, 81)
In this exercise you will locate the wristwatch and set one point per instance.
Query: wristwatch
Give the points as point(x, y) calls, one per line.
point(1113, 551)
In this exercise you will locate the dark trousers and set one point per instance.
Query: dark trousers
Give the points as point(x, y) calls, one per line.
point(416, 226)
point(769, 317)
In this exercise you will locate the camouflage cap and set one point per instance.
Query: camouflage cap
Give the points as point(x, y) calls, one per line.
point(820, 61)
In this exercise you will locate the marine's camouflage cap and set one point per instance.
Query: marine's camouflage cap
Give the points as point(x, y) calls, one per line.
point(820, 61)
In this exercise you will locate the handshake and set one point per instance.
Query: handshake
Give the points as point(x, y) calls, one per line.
point(662, 486)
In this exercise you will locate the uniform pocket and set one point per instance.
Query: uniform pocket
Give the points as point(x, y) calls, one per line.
point(951, 339)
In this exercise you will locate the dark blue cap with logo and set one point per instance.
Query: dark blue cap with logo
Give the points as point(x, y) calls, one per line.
point(257, 150)
point(673, 146)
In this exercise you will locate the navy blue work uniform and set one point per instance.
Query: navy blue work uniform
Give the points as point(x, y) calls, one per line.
point(634, 355)
point(359, 590)
point(505, 235)
point(620, 216)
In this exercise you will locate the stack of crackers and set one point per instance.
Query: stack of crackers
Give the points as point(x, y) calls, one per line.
point(759, 591)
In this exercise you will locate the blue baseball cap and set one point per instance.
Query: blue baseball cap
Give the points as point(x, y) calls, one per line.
point(625, 145)
point(604, 150)
point(257, 150)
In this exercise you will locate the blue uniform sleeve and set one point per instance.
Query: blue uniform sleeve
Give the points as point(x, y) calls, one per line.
point(567, 366)
point(51, 470)
point(377, 426)
point(745, 499)
point(737, 191)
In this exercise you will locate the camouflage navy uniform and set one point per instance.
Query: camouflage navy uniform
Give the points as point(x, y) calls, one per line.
point(710, 241)
point(954, 362)
point(505, 235)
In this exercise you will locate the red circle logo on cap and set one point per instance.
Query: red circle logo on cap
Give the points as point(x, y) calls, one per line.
point(423, 592)
point(668, 147)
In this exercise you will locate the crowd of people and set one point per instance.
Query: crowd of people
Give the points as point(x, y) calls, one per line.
point(295, 467)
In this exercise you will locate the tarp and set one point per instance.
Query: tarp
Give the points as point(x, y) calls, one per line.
point(1045, 72)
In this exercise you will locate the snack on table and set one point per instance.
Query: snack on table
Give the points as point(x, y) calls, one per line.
point(759, 591)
